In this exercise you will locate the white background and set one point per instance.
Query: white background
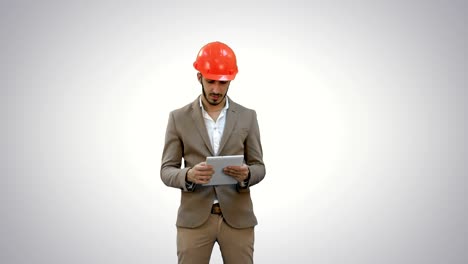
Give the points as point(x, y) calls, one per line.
point(361, 106)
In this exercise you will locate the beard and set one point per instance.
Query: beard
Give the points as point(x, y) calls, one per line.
point(220, 99)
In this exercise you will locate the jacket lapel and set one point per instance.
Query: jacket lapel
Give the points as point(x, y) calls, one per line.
point(200, 124)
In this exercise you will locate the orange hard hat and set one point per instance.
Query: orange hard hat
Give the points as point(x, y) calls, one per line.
point(216, 61)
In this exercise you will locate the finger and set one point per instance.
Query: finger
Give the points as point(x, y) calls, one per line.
point(205, 168)
point(204, 177)
point(232, 171)
point(205, 173)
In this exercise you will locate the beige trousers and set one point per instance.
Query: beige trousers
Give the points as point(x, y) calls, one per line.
point(194, 245)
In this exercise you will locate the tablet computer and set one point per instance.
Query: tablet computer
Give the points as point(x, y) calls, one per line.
point(219, 163)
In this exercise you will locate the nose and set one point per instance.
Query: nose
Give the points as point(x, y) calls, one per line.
point(217, 87)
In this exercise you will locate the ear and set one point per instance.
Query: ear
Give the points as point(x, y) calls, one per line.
point(199, 77)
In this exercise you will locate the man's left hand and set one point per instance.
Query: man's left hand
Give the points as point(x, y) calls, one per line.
point(240, 173)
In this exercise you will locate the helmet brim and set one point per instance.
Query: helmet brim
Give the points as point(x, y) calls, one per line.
point(218, 77)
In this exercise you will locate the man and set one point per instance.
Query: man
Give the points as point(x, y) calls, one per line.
point(213, 125)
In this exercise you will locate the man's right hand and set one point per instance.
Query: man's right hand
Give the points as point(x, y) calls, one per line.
point(200, 174)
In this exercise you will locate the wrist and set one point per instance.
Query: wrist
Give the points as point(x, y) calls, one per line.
point(189, 184)
point(245, 182)
point(187, 176)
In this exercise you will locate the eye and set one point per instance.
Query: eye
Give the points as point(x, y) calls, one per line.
point(223, 82)
point(209, 81)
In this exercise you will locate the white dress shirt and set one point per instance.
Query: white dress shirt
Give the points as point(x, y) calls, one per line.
point(215, 128)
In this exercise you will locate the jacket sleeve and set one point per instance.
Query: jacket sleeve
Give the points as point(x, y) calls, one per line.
point(253, 153)
point(171, 172)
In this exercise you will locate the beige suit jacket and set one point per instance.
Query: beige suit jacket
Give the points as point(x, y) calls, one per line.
point(187, 141)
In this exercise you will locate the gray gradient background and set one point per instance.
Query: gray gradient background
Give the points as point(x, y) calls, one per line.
point(361, 104)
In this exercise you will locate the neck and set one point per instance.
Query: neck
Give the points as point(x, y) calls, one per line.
point(213, 108)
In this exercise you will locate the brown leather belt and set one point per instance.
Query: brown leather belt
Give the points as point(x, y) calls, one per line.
point(216, 209)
